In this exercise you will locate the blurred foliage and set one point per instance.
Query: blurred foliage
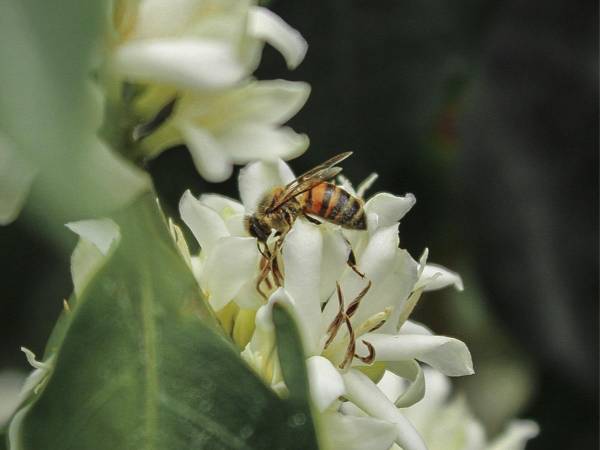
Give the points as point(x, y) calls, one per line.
point(50, 111)
point(487, 112)
point(139, 362)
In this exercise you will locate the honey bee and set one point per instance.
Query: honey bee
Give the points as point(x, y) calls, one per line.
point(310, 195)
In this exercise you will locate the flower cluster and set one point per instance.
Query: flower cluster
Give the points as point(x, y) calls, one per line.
point(190, 62)
point(446, 423)
point(353, 321)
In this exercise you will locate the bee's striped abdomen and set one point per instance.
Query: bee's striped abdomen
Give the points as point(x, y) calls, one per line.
point(334, 204)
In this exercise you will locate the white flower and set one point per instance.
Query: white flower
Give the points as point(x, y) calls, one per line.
point(194, 59)
point(227, 266)
point(196, 44)
point(234, 126)
point(314, 259)
point(446, 423)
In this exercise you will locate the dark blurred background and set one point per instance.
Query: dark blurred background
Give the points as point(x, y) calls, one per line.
point(488, 113)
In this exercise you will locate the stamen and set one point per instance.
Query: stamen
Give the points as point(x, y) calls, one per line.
point(351, 350)
point(370, 357)
point(335, 325)
point(366, 184)
point(352, 307)
point(374, 322)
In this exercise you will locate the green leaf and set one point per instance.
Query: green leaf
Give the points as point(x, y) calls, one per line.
point(140, 363)
point(292, 360)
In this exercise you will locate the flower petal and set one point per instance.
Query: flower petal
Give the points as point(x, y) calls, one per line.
point(96, 239)
point(415, 391)
point(258, 178)
point(16, 176)
point(224, 206)
point(516, 435)
point(391, 385)
point(389, 208)
point(100, 232)
point(448, 355)
point(366, 395)
point(265, 25)
point(357, 433)
point(333, 263)
point(231, 263)
point(159, 18)
point(436, 277)
point(183, 62)
point(326, 383)
point(412, 327)
point(403, 383)
point(206, 224)
point(302, 251)
point(248, 297)
point(249, 142)
point(376, 262)
point(209, 157)
point(392, 291)
point(269, 102)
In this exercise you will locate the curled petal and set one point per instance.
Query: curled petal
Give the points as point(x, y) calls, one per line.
point(231, 263)
point(182, 62)
point(403, 393)
point(436, 277)
point(448, 355)
point(265, 25)
point(206, 224)
point(389, 208)
point(326, 383)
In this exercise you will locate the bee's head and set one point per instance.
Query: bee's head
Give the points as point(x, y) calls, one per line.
point(257, 228)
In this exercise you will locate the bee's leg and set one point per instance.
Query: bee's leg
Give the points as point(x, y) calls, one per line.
point(274, 260)
point(260, 250)
point(277, 276)
point(265, 265)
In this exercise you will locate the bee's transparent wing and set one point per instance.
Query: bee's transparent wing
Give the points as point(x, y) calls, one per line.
point(310, 179)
